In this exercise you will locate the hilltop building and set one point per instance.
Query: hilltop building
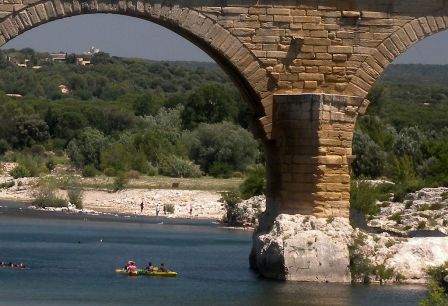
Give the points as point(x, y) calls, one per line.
point(58, 57)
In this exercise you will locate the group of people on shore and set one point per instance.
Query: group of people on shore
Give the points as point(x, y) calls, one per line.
point(131, 267)
point(142, 206)
point(12, 265)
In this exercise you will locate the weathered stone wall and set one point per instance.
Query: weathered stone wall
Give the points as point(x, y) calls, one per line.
point(327, 46)
point(309, 159)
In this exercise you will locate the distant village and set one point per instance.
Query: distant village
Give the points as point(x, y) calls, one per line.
point(85, 60)
point(61, 57)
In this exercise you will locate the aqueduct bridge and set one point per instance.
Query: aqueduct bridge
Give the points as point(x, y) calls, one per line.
point(304, 66)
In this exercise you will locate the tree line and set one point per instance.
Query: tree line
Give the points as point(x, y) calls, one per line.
point(121, 115)
point(404, 136)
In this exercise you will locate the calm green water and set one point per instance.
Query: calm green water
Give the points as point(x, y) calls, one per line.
point(212, 265)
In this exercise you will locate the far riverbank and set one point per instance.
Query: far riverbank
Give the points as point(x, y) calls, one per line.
point(170, 202)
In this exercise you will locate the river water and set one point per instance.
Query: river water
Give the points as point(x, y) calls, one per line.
point(72, 261)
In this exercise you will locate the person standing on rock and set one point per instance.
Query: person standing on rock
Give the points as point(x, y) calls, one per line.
point(142, 205)
point(191, 210)
point(157, 209)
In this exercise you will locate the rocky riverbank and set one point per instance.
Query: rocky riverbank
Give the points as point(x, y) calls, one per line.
point(423, 210)
point(306, 248)
point(410, 237)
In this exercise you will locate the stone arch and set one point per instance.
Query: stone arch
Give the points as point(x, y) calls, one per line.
point(379, 58)
point(200, 28)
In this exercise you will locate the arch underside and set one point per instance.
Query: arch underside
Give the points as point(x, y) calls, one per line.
point(408, 34)
point(226, 49)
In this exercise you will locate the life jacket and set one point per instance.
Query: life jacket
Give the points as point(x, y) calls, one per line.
point(132, 268)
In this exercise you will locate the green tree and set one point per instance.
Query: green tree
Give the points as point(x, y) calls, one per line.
point(71, 58)
point(224, 142)
point(155, 144)
point(29, 131)
point(255, 182)
point(86, 147)
point(117, 157)
point(146, 104)
point(4, 146)
point(370, 159)
point(101, 58)
point(211, 103)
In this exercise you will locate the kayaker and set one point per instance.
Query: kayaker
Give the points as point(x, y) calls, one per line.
point(150, 267)
point(162, 268)
point(131, 267)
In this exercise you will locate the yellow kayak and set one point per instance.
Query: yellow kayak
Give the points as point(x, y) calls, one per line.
point(157, 273)
point(124, 272)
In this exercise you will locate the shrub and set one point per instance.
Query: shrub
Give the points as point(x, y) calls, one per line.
point(408, 204)
point(421, 225)
point(45, 196)
point(152, 171)
point(437, 291)
point(234, 215)
point(50, 165)
point(132, 174)
point(4, 146)
point(423, 207)
point(120, 182)
point(363, 197)
point(174, 166)
point(383, 273)
point(37, 150)
point(89, 171)
point(389, 243)
point(170, 208)
point(110, 172)
point(396, 217)
point(360, 266)
point(445, 195)
point(406, 186)
point(370, 159)
point(330, 219)
point(436, 206)
point(255, 183)
point(20, 171)
point(225, 143)
point(75, 196)
point(7, 185)
point(220, 170)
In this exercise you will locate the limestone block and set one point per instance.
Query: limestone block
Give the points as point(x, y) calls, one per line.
point(310, 84)
point(351, 14)
point(235, 10)
point(298, 248)
point(340, 49)
point(311, 76)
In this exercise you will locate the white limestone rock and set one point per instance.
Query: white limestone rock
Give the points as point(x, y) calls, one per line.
point(251, 209)
point(305, 248)
point(426, 209)
point(416, 255)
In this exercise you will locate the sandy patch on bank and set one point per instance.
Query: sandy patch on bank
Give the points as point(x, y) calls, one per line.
point(203, 204)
